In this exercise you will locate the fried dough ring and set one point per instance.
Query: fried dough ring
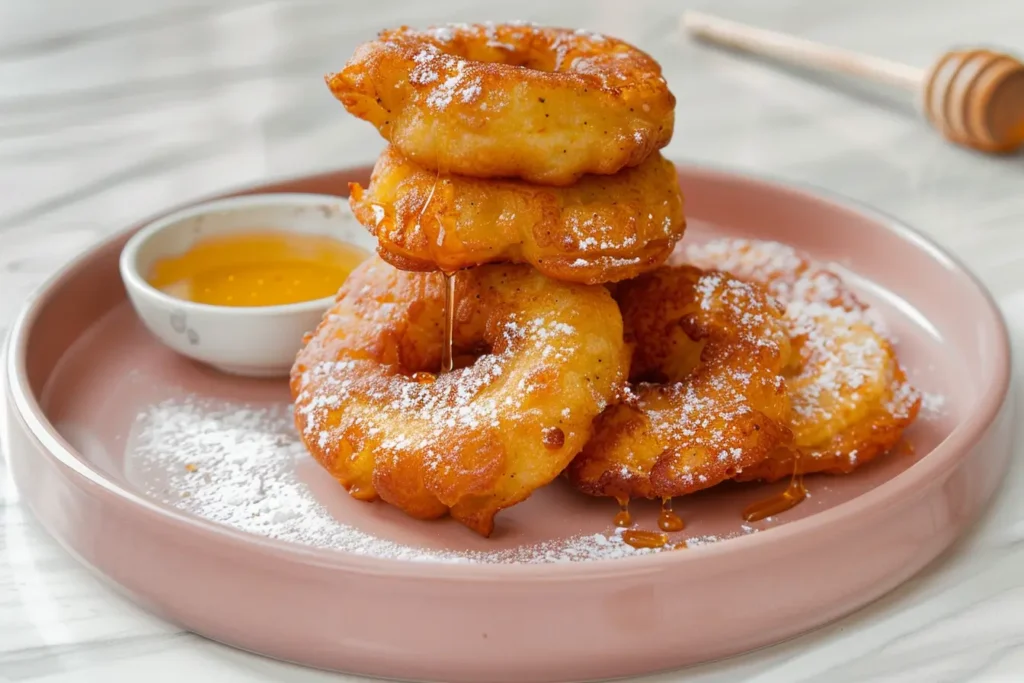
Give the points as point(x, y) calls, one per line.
point(851, 399)
point(543, 104)
point(602, 229)
point(481, 437)
point(709, 400)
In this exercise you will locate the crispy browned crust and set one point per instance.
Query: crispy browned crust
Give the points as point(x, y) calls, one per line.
point(708, 399)
point(874, 435)
point(542, 104)
point(539, 361)
point(851, 398)
point(602, 229)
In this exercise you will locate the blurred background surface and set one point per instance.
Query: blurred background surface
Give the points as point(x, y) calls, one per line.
point(112, 110)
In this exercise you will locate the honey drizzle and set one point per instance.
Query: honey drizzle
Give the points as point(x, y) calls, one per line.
point(787, 500)
point(644, 539)
point(638, 538)
point(553, 438)
point(623, 519)
point(447, 360)
point(447, 357)
point(669, 520)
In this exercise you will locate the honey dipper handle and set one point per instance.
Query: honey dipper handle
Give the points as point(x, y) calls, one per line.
point(800, 52)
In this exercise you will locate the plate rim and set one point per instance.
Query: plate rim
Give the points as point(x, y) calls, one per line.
point(904, 488)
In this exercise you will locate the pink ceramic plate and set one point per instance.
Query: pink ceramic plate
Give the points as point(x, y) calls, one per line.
point(188, 489)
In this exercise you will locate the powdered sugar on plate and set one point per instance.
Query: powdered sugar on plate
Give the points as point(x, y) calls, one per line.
point(932, 405)
point(235, 465)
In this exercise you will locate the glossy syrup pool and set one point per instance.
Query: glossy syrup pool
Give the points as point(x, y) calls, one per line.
point(258, 268)
point(224, 449)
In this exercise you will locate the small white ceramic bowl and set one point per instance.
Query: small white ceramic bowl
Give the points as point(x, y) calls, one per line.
point(259, 341)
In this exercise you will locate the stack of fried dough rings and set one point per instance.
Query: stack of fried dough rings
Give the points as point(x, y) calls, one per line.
point(524, 163)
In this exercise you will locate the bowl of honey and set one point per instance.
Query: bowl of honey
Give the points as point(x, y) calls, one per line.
point(236, 283)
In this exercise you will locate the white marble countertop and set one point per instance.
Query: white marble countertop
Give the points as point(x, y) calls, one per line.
point(110, 110)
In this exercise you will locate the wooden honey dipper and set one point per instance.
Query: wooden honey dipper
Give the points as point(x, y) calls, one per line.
point(975, 98)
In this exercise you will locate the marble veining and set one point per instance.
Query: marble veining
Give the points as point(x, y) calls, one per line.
point(111, 110)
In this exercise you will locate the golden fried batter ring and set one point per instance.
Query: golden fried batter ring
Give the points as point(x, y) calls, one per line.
point(602, 229)
point(544, 358)
point(542, 104)
point(851, 399)
point(709, 400)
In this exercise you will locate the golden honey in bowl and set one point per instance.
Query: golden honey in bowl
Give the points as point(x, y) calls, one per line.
point(259, 268)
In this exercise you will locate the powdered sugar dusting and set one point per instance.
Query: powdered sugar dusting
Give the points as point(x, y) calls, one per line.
point(427, 61)
point(444, 78)
point(590, 35)
point(457, 400)
point(932, 405)
point(844, 346)
point(440, 96)
point(605, 262)
point(235, 464)
point(703, 411)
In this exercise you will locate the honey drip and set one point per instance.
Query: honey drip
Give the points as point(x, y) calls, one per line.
point(644, 539)
point(669, 520)
point(360, 493)
point(447, 359)
point(553, 438)
point(424, 377)
point(788, 499)
point(623, 519)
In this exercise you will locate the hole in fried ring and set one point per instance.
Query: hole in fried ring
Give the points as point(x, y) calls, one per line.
point(720, 344)
point(474, 440)
point(850, 396)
